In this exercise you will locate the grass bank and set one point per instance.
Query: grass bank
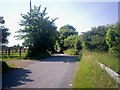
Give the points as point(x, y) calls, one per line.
point(90, 74)
point(108, 60)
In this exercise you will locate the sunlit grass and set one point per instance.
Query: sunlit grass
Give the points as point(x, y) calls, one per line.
point(108, 60)
point(90, 74)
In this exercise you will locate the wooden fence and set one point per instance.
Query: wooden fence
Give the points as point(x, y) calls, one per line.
point(10, 52)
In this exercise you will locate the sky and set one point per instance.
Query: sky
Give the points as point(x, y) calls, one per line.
point(81, 15)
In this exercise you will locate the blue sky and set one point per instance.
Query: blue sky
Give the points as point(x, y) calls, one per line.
point(82, 15)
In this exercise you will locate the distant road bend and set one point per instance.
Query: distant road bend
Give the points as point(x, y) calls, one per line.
point(56, 71)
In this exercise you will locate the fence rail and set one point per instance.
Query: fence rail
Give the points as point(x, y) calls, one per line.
point(11, 53)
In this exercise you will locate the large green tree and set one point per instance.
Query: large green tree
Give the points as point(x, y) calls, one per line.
point(64, 32)
point(3, 32)
point(67, 30)
point(39, 32)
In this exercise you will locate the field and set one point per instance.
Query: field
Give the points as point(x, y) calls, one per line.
point(90, 74)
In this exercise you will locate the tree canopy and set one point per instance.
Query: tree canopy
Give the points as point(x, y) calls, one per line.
point(68, 39)
point(95, 39)
point(39, 31)
point(103, 38)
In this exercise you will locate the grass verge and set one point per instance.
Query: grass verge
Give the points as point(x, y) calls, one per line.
point(108, 60)
point(90, 74)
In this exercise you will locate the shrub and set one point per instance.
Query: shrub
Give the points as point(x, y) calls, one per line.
point(71, 51)
point(114, 51)
point(80, 54)
point(5, 66)
point(38, 56)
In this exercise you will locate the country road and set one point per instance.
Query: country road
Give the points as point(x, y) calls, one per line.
point(56, 71)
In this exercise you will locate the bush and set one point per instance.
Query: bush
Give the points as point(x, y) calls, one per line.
point(71, 51)
point(38, 56)
point(114, 51)
point(5, 66)
point(80, 54)
point(113, 39)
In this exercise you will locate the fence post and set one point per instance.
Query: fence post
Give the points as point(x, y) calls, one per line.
point(6, 52)
point(24, 49)
point(9, 51)
point(20, 51)
point(2, 50)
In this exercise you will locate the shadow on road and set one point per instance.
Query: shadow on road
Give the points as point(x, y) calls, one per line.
point(16, 77)
point(58, 58)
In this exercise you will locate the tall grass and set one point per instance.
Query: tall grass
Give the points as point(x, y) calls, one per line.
point(90, 74)
point(108, 60)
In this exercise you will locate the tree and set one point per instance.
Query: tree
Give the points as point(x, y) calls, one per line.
point(39, 32)
point(67, 30)
point(73, 41)
point(3, 32)
point(113, 39)
point(64, 32)
point(70, 41)
point(95, 39)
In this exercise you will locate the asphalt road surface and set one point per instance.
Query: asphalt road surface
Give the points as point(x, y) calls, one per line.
point(56, 71)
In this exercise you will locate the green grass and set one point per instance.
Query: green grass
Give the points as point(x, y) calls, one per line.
point(108, 60)
point(90, 74)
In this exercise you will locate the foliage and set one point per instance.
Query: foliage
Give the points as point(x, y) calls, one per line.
point(39, 32)
point(4, 31)
point(80, 54)
point(78, 43)
point(113, 39)
point(95, 39)
point(68, 40)
point(39, 56)
point(57, 46)
point(71, 51)
point(66, 31)
point(90, 74)
point(103, 38)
